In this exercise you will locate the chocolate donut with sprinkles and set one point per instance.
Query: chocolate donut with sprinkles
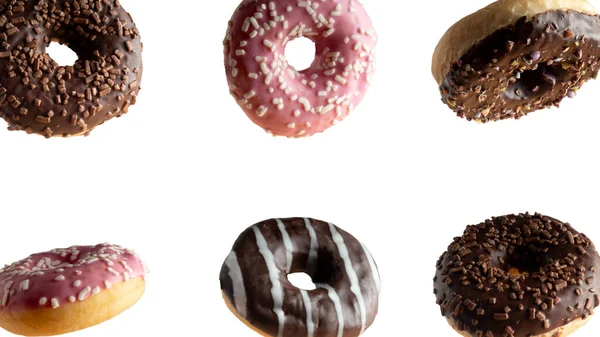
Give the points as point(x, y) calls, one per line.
point(514, 57)
point(280, 99)
point(518, 276)
point(66, 290)
point(41, 97)
point(256, 289)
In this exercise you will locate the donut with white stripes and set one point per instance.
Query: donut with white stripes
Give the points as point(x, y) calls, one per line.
point(65, 290)
point(277, 97)
point(256, 288)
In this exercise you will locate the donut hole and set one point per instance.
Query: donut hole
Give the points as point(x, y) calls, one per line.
point(61, 54)
point(521, 261)
point(302, 281)
point(300, 53)
point(533, 83)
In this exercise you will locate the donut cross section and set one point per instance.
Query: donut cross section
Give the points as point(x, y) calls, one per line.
point(255, 285)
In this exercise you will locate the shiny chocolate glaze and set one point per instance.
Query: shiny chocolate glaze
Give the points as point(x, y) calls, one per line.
point(528, 66)
point(39, 96)
point(254, 279)
point(517, 275)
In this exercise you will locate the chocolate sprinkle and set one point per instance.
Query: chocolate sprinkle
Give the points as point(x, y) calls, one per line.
point(519, 277)
point(525, 67)
point(95, 89)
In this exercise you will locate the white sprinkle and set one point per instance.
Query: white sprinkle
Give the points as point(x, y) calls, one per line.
point(96, 290)
point(43, 301)
point(264, 68)
point(305, 103)
point(271, 6)
point(254, 23)
point(322, 93)
point(261, 111)
point(253, 34)
point(246, 25)
point(303, 4)
point(328, 32)
point(77, 283)
point(291, 125)
point(346, 39)
point(84, 292)
point(249, 94)
point(25, 285)
point(289, 8)
point(54, 303)
point(59, 278)
point(268, 78)
point(234, 72)
point(72, 299)
point(253, 75)
point(126, 276)
point(269, 44)
point(240, 52)
point(243, 43)
point(107, 284)
point(327, 108)
point(340, 79)
point(335, 13)
point(112, 271)
point(297, 113)
point(330, 72)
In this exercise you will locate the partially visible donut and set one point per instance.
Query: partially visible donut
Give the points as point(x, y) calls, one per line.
point(277, 97)
point(514, 57)
point(255, 285)
point(39, 96)
point(519, 276)
point(66, 290)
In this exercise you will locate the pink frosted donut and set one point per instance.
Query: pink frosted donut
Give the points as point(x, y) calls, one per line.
point(70, 289)
point(277, 97)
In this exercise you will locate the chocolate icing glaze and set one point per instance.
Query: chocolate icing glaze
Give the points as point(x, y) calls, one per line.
point(557, 281)
point(39, 96)
point(322, 255)
point(528, 66)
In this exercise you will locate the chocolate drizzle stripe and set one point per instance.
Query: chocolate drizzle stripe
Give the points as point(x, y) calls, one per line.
point(335, 298)
point(310, 326)
point(351, 272)
point(374, 269)
point(276, 289)
point(313, 255)
point(289, 246)
point(237, 280)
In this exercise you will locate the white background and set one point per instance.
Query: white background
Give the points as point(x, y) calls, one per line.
point(185, 172)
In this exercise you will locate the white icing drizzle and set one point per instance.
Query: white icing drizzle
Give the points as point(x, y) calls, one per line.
point(276, 289)
point(310, 326)
point(314, 247)
point(337, 304)
point(237, 281)
point(354, 282)
point(374, 269)
point(287, 243)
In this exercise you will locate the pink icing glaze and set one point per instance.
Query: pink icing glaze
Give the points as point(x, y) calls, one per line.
point(273, 94)
point(62, 276)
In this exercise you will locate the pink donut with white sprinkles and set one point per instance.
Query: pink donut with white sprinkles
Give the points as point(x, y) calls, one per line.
point(277, 97)
point(69, 289)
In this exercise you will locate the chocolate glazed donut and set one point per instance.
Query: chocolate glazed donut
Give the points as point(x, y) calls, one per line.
point(255, 285)
point(524, 55)
point(518, 275)
point(39, 96)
